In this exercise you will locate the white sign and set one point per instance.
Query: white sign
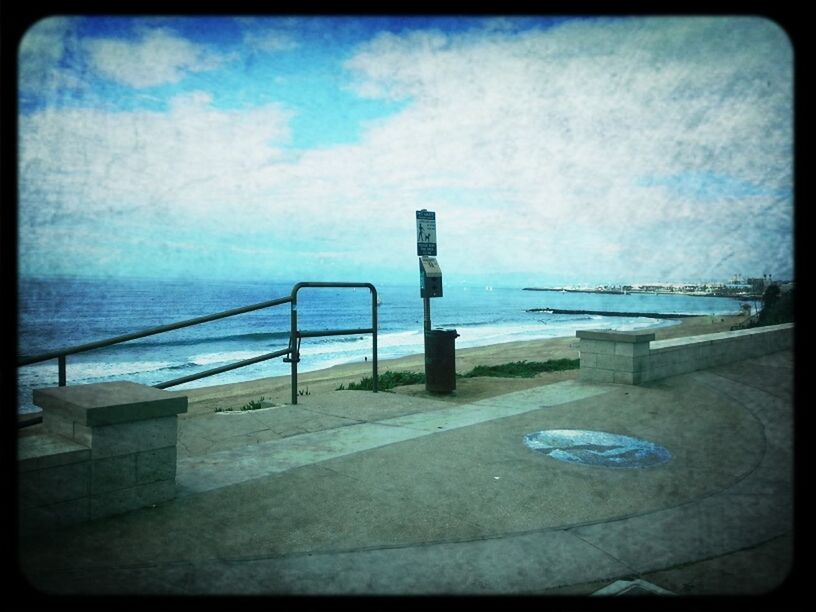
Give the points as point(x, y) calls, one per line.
point(426, 232)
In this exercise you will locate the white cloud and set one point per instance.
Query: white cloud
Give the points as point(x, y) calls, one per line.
point(572, 118)
point(270, 40)
point(625, 97)
point(80, 164)
point(159, 57)
point(532, 147)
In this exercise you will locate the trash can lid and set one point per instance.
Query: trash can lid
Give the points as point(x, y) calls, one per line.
point(441, 331)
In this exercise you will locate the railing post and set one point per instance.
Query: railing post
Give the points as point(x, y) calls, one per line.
point(374, 336)
point(293, 355)
point(61, 368)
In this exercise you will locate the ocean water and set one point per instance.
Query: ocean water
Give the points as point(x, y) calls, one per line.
point(60, 313)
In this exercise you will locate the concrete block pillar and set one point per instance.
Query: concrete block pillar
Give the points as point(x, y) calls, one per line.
point(609, 356)
point(131, 431)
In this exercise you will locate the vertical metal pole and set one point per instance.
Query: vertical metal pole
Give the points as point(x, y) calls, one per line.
point(374, 337)
point(427, 301)
point(294, 354)
point(61, 367)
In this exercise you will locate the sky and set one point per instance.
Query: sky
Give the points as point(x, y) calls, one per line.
point(552, 150)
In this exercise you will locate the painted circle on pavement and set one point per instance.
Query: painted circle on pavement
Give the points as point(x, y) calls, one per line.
point(597, 448)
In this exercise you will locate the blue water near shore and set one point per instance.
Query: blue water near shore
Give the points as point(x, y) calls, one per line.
point(60, 313)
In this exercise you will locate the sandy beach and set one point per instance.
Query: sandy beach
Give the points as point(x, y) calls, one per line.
point(277, 389)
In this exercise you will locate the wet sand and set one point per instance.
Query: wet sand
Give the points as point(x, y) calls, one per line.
point(277, 389)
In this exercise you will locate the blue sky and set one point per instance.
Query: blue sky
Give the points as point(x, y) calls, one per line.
point(299, 148)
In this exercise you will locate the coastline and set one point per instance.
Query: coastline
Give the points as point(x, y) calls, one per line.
point(232, 396)
point(725, 294)
point(613, 313)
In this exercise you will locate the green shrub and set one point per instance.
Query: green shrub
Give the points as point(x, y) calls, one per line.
point(523, 369)
point(387, 380)
point(516, 369)
point(253, 405)
point(777, 307)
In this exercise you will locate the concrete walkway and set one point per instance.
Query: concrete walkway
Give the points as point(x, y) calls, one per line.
point(360, 493)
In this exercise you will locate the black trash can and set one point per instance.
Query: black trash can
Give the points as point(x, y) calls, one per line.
point(440, 360)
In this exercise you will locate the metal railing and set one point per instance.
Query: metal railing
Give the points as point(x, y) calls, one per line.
point(293, 350)
point(295, 335)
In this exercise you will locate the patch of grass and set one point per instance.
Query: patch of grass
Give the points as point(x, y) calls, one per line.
point(516, 369)
point(253, 404)
point(385, 381)
point(523, 369)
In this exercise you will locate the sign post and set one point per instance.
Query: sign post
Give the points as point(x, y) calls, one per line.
point(426, 302)
point(440, 361)
point(426, 247)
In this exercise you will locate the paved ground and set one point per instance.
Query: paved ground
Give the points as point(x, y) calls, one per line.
point(360, 493)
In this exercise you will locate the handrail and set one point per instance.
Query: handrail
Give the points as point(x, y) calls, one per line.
point(295, 335)
point(23, 361)
point(221, 369)
point(293, 349)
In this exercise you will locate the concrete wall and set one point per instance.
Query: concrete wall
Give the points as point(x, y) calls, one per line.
point(635, 357)
point(613, 357)
point(103, 449)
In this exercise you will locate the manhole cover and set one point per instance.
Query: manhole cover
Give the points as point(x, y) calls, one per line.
point(596, 448)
